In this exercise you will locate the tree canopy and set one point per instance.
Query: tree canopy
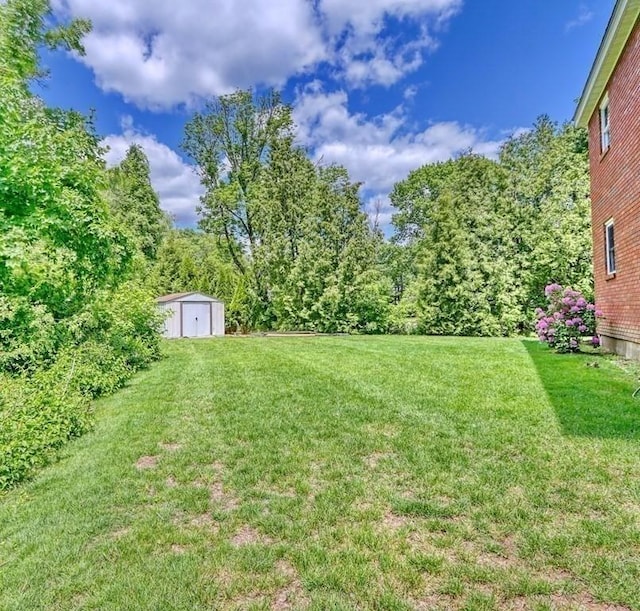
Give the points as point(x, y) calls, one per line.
point(489, 235)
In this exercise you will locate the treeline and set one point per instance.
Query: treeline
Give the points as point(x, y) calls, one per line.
point(285, 243)
point(76, 244)
point(487, 236)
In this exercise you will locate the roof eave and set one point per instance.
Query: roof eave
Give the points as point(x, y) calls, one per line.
point(173, 297)
point(178, 296)
point(623, 20)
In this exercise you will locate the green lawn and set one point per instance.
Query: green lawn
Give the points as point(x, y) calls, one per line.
point(341, 473)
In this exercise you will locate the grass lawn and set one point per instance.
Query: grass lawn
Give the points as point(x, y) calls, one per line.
point(341, 473)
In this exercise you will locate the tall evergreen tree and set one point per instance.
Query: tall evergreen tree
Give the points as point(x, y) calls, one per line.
point(135, 204)
point(548, 183)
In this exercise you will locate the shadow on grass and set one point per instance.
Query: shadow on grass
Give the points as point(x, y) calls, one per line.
point(589, 401)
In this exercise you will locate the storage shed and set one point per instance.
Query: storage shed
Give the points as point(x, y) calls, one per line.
point(192, 315)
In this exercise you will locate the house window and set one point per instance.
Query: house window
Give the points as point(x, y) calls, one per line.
point(605, 133)
point(610, 247)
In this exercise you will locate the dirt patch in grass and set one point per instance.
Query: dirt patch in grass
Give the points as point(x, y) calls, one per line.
point(248, 601)
point(506, 558)
point(559, 602)
point(170, 447)
point(495, 561)
point(178, 549)
point(373, 459)
point(436, 602)
point(219, 497)
point(385, 429)
point(586, 601)
point(217, 467)
point(292, 596)
point(170, 482)
point(583, 602)
point(249, 536)
point(204, 520)
point(147, 462)
point(120, 533)
point(286, 493)
point(393, 522)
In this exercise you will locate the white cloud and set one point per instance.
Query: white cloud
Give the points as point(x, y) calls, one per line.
point(162, 53)
point(379, 151)
point(175, 181)
point(410, 92)
point(382, 150)
point(367, 18)
point(584, 16)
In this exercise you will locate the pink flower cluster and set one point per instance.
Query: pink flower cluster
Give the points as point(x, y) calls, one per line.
point(568, 318)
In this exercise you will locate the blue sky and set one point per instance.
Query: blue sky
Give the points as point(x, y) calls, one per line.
point(380, 86)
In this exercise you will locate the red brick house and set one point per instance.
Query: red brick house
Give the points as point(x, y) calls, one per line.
point(610, 108)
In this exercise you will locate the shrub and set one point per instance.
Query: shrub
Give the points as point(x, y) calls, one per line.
point(28, 335)
point(37, 416)
point(46, 404)
point(568, 318)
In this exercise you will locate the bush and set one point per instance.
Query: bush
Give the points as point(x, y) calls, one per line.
point(37, 416)
point(568, 318)
point(28, 335)
point(49, 403)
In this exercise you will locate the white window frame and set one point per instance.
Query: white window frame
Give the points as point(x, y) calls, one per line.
point(605, 124)
point(610, 246)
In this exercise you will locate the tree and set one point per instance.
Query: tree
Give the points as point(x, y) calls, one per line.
point(74, 321)
point(468, 285)
point(135, 204)
point(490, 236)
point(61, 253)
point(413, 199)
point(332, 284)
point(23, 29)
point(57, 242)
point(294, 231)
point(548, 183)
point(230, 142)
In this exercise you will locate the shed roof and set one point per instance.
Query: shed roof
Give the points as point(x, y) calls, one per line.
point(623, 20)
point(182, 296)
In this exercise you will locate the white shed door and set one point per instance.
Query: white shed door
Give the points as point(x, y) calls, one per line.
point(196, 319)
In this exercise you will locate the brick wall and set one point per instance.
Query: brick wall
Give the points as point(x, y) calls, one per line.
point(615, 193)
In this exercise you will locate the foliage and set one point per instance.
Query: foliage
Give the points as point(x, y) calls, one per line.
point(37, 416)
point(548, 183)
point(488, 235)
point(23, 30)
point(465, 276)
point(230, 141)
point(74, 320)
point(302, 250)
point(135, 205)
point(568, 318)
point(49, 403)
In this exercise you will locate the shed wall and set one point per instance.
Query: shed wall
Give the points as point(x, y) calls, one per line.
point(172, 323)
point(217, 318)
point(174, 327)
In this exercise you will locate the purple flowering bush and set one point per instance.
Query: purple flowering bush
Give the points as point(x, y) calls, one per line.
point(568, 318)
